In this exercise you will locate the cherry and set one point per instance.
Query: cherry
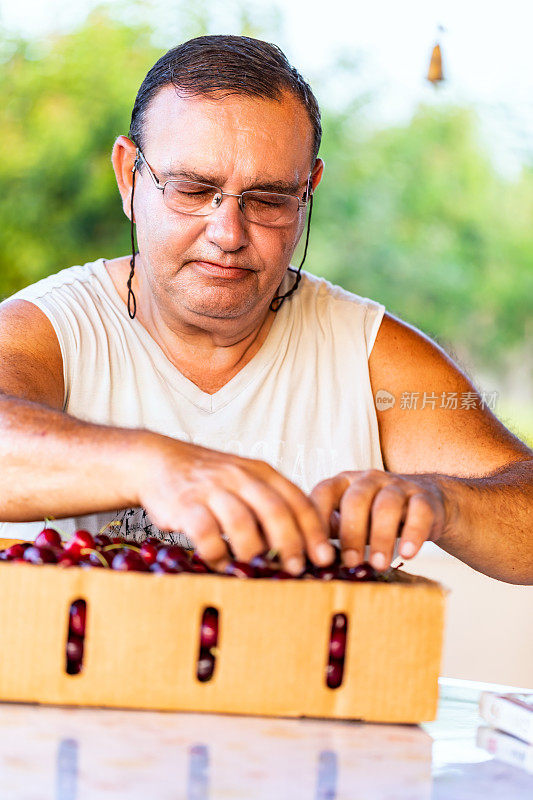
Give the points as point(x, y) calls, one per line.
point(206, 665)
point(81, 540)
point(240, 569)
point(40, 555)
point(362, 572)
point(67, 561)
point(209, 629)
point(326, 573)
point(48, 536)
point(337, 644)
point(78, 614)
point(102, 540)
point(157, 567)
point(198, 565)
point(148, 553)
point(334, 674)
point(281, 575)
point(74, 654)
point(154, 541)
point(173, 558)
point(339, 622)
point(15, 551)
point(128, 560)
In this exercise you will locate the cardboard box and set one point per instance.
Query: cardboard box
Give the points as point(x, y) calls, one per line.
point(142, 643)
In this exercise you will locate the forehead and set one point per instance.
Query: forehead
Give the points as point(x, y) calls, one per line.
point(236, 135)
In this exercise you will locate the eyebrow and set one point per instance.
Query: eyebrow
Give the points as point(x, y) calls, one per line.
point(283, 187)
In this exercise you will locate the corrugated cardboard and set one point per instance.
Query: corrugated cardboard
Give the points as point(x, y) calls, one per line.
point(142, 643)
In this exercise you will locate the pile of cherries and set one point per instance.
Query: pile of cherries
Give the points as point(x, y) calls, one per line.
point(153, 555)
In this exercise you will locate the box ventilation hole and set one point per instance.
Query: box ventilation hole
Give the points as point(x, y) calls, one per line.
point(336, 651)
point(208, 645)
point(76, 637)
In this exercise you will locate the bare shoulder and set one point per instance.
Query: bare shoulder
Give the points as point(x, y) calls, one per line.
point(31, 364)
point(438, 421)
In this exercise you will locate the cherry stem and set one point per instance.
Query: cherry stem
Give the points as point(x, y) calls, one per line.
point(113, 524)
point(100, 557)
point(118, 546)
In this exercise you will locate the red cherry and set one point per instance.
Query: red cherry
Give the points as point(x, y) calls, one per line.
point(67, 561)
point(80, 541)
point(173, 558)
point(40, 555)
point(48, 536)
point(102, 540)
point(326, 573)
point(148, 553)
point(240, 569)
point(74, 654)
point(362, 572)
point(78, 614)
point(209, 629)
point(339, 622)
point(15, 551)
point(206, 665)
point(158, 568)
point(337, 644)
point(128, 560)
point(154, 541)
point(281, 575)
point(334, 674)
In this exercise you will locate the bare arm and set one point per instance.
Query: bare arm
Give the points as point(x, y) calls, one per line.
point(53, 464)
point(455, 476)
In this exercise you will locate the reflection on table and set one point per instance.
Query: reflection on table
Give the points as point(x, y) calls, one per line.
point(50, 753)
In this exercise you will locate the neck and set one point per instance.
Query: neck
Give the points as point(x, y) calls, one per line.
point(207, 351)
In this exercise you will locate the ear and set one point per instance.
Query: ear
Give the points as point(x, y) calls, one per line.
point(123, 159)
point(316, 173)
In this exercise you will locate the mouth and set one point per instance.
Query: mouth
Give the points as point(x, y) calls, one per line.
point(215, 270)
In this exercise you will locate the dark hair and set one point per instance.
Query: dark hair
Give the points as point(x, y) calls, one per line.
point(222, 66)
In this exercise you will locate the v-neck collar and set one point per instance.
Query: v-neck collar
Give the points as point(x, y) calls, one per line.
point(202, 400)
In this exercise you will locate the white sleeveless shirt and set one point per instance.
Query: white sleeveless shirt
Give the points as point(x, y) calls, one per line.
point(303, 403)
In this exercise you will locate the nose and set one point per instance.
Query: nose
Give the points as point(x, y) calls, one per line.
point(226, 226)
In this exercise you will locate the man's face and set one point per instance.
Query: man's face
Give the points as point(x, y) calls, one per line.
point(236, 143)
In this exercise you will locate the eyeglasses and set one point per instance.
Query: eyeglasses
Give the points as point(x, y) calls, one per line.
point(200, 199)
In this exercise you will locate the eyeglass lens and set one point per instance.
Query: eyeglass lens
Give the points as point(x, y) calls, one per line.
point(266, 208)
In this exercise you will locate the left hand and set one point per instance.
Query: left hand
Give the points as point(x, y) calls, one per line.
point(376, 507)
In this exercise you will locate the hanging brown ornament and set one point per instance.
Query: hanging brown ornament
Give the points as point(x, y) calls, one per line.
point(435, 73)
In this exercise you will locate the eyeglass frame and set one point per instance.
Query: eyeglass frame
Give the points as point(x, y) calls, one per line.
point(161, 187)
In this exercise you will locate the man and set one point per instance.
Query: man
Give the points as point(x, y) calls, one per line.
point(201, 380)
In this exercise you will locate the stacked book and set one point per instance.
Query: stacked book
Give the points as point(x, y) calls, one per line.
point(509, 734)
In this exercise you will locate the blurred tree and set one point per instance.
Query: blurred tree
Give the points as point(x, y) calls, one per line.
point(64, 100)
point(417, 217)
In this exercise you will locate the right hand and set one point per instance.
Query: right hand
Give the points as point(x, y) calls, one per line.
point(208, 494)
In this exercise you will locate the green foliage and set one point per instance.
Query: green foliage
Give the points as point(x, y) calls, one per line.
point(413, 215)
point(417, 217)
point(64, 102)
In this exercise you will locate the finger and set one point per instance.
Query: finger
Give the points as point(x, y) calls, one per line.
point(326, 497)
point(420, 521)
point(386, 516)
point(238, 524)
point(201, 526)
point(308, 519)
point(355, 510)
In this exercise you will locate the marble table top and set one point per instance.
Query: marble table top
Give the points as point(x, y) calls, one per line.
point(59, 753)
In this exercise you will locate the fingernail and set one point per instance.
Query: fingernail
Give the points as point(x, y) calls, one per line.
point(325, 553)
point(407, 549)
point(295, 566)
point(351, 558)
point(378, 561)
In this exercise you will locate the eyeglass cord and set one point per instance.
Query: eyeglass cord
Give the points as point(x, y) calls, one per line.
point(276, 303)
